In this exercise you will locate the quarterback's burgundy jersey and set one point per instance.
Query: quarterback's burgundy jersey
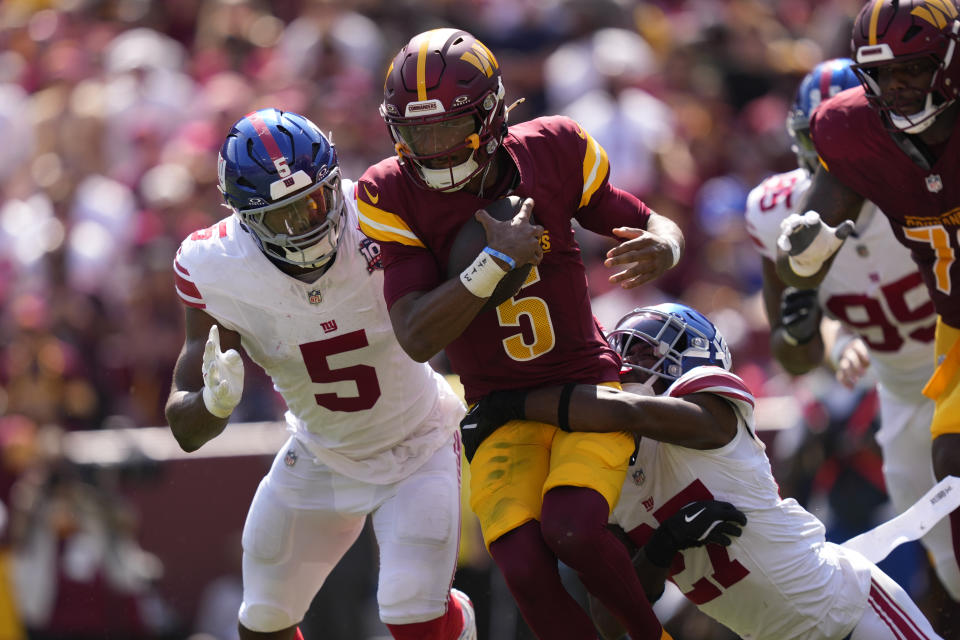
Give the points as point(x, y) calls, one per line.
point(923, 205)
point(546, 333)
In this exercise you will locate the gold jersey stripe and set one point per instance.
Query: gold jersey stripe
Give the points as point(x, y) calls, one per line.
point(378, 224)
point(823, 163)
point(595, 167)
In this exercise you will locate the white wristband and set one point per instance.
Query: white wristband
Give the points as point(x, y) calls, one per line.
point(483, 276)
point(674, 249)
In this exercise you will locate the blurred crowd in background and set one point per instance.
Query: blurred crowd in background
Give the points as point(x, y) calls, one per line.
point(111, 116)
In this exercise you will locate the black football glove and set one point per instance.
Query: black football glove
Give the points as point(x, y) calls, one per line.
point(696, 524)
point(487, 414)
point(800, 314)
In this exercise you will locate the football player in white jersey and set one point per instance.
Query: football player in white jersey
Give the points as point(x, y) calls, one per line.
point(289, 278)
point(780, 579)
point(885, 318)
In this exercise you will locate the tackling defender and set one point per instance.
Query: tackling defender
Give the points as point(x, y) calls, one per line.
point(780, 579)
point(290, 279)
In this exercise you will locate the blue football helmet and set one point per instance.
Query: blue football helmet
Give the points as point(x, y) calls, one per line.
point(827, 79)
point(279, 174)
point(666, 341)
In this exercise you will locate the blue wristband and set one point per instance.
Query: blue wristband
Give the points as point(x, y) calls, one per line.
point(496, 254)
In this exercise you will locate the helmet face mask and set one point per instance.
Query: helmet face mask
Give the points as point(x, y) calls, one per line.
point(906, 58)
point(825, 80)
point(444, 107)
point(303, 231)
point(659, 344)
point(279, 175)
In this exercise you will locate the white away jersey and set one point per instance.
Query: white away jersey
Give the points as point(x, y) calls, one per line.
point(355, 398)
point(873, 286)
point(779, 580)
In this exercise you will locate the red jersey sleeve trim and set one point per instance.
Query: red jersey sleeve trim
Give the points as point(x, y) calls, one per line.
point(189, 293)
point(714, 380)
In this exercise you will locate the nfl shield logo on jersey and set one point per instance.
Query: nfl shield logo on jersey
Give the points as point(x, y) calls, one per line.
point(934, 183)
point(290, 458)
point(314, 296)
point(639, 477)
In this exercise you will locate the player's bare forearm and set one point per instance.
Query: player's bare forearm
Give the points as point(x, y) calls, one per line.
point(192, 425)
point(190, 421)
point(833, 200)
point(425, 323)
point(652, 577)
point(700, 421)
point(796, 359)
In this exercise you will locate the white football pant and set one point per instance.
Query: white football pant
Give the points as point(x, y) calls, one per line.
point(304, 517)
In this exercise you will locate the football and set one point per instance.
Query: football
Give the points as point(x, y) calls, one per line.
point(470, 241)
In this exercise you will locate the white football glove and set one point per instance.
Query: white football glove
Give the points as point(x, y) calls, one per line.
point(222, 376)
point(810, 242)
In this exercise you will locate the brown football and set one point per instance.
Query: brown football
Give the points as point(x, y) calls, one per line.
point(470, 241)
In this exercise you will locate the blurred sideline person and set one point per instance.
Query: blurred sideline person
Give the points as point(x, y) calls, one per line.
point(894, 142)
point(291, 280)
point(780, 579)
point(539, 494)
point(886, 318)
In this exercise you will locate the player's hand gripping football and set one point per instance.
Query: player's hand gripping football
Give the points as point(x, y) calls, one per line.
point(222, 376)
point(486, 415)
point(517, 238)
point(694, 525)
point(646, 254)
point(800, 314)
point(810, 241)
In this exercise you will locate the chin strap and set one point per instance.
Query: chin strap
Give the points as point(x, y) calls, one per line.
point(483, 177)
point(515, 103)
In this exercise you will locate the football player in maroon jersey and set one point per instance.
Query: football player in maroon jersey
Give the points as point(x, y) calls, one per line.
point(540, 494)
point(895, 143)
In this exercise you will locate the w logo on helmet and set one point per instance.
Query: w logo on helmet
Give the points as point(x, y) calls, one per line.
point(481, 57)
point(936, 12)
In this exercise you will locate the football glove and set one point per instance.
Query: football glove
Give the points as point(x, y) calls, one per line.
point(810, 241)
point(487, 415)
point(222, 376)
point(694, 525)
point(800, 315)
